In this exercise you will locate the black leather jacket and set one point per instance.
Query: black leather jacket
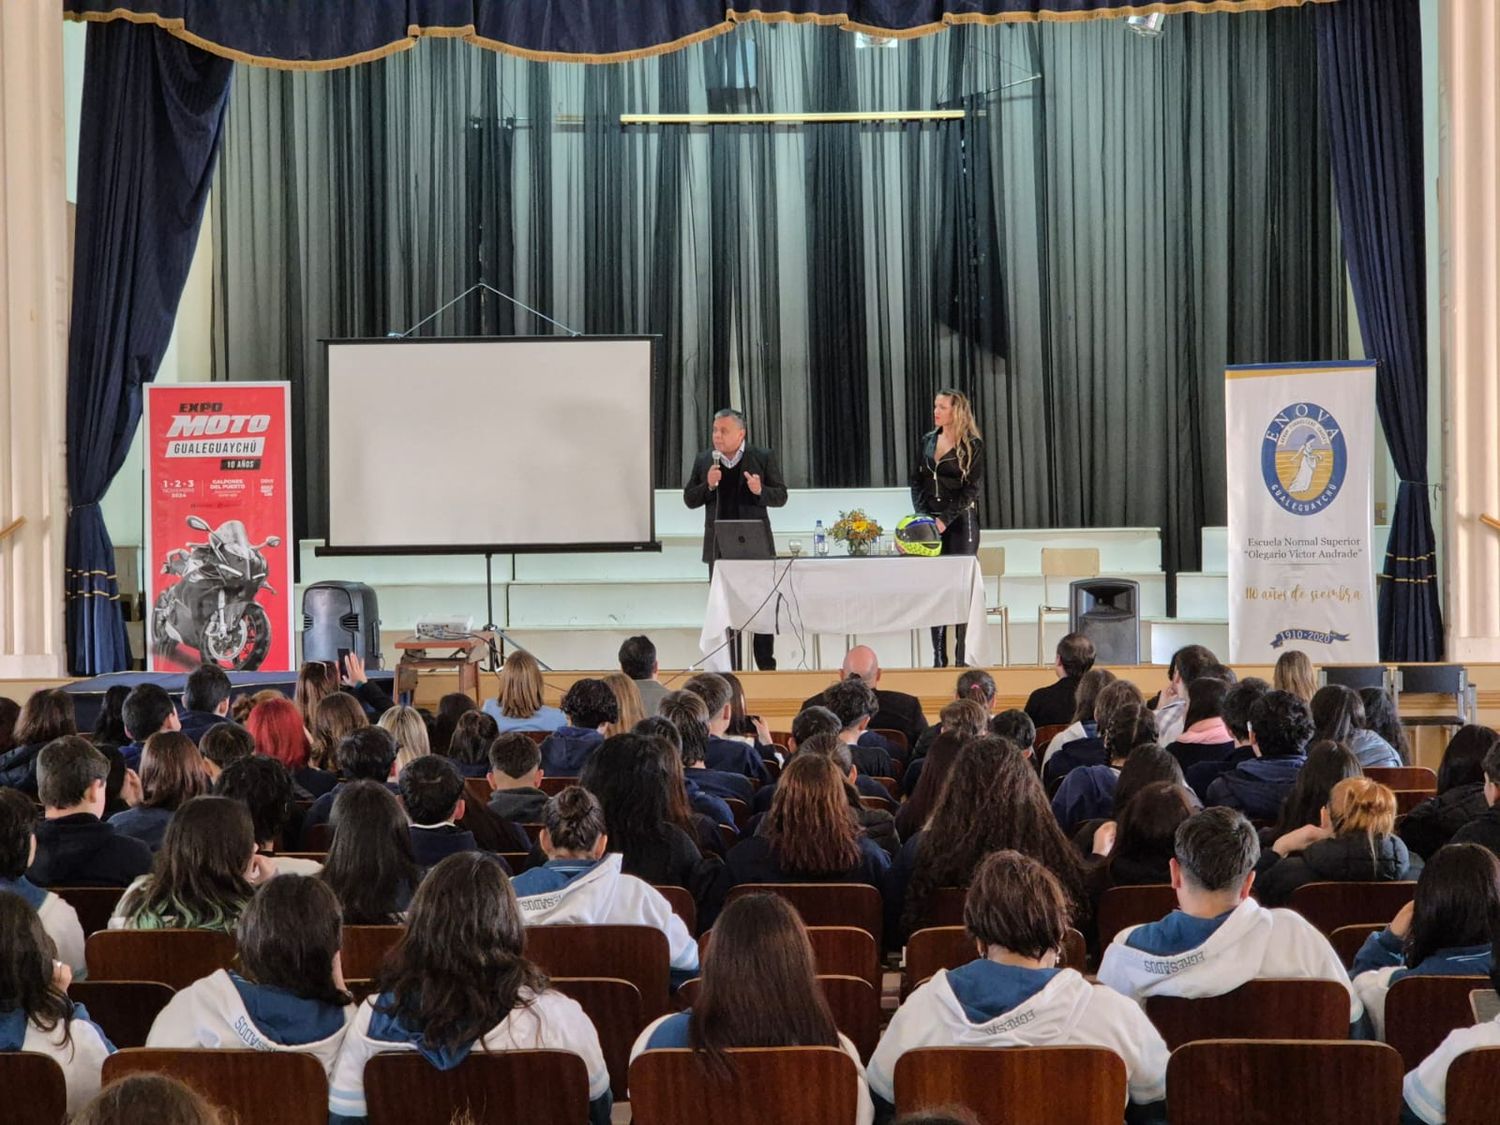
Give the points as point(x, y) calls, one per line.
point(941, 488)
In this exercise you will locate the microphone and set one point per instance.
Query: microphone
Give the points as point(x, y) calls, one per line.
point(718, 459)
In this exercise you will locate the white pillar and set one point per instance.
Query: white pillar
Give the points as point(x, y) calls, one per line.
point(35, 275)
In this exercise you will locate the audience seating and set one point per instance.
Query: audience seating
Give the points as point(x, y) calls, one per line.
point(729, 836)
point(1331, 905)
point(1347, 941)
point(46, 1100)
point(846, 951)
point(614, 1008)
point(365, 947)
point(740, 811)
point(477, 790)
point(537, 736)
point(171, 957)
point(1450, 680)
point(318, 837)
point(1404, 777)
point(682, 903)
point(1015, 1085)
point(1272, 1082)
point(781, 738)
point(896, 738)
point(1421, 1010)
point(773, 767)
point(780, 1084)
point(854, 1002)
point(638, 954)
point(552, 786)
point(945, 907)
point(517, 861)
point(537, 1087)
point(287, 1087)
point(891, 786)
point(125, 1009)
point(1046, 734)
point(1269, 1008)
point(533, 832)
point(950, 947)
point(1123, 907)
point(883, 804)
point(1408, 799)
point(94, 905)
point(826, 904)
point(1474, 1087)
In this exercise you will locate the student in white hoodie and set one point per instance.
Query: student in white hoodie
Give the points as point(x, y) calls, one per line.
point(582, 884)
point(1425, 1090)
point(458, 982)
point(289, 993)
point(1014, 995)
point(1219, 937)
point(17, 850)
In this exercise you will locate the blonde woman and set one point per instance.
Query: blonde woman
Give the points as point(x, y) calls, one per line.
point(1294, 673)
point(1355, 841)
point(945, 485)
point(408, 728)
point(519, 705)
point(628, 696)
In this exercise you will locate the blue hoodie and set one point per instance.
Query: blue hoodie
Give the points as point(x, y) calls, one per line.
point(285, 1017)
point(1086, 793)
point(1257, 787)
point(566, 749)
point(1384, 949)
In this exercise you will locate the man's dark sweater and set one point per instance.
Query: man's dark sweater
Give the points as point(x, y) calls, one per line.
point(1054, 704)
point(1483, 829)
point(430, 846)
point(519, 806)
point(566, 749)
point(83, 851)
point(195, 724)
point(733, 756)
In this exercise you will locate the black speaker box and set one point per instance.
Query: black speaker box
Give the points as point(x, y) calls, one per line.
point(339, 615)
point(1107, 612)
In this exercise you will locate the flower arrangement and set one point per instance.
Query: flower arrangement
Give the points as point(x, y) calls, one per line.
point(856, 531)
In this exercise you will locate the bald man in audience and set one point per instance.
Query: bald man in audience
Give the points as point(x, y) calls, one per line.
point(898, 711)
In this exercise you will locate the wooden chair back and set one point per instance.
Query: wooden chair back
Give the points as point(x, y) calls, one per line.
point(854, 1002)
point(740, 811)
point(1420, 1011)
point(517, 861)
point(1347, 941)
point(846, 951)
point(172, 957)
point(1331, 905)
point(477, 790)
point(897, 738)
point(891, 786)
point(125, 1009)
point(681, 900)
point(826, 904)
point(765, 1084)
point(93, 905)
point(638, 954)
point(945, 907)
point(1404, 777)
point(1474, 1087)
point(950, 947)
point(1046, 734)
point(287, 1087)
point(46, 1100)
point(880, 804)
point(318, 837)
point(552, 786)
point(1123, 907)
point(614, 1008)
point(1015, 1085)
point(1408, 799)
point(537, 736)
point(534, 1087)
point(1268, 1082)
point(365, 947)
point(1259, 1009)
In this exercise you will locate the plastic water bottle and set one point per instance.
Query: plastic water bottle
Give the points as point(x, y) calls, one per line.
point(820, 541)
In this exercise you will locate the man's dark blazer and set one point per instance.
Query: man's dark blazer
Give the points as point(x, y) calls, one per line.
point(733, 498)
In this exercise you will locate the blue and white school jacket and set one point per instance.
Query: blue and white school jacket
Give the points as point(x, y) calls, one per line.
point(59, 919)
point(547, 1021)
point(1425, 1089)
point(223, 1010)
point(1380, 963)
point(987, 1004)
point(583, 892)
point(82, 1060)
point(672, 1031)
point(1193, 957)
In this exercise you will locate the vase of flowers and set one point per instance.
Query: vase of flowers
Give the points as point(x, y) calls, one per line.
point(856, 531)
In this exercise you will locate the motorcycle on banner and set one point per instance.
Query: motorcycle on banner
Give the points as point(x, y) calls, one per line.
point(212, 607)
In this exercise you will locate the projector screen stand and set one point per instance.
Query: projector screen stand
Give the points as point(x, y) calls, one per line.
point(497, 650)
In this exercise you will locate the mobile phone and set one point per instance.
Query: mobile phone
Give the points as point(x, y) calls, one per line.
point(343, 656)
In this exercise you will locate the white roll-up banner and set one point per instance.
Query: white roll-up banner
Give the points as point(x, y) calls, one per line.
point(1300, 442)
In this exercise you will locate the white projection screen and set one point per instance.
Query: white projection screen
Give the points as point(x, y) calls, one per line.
point(479, 445)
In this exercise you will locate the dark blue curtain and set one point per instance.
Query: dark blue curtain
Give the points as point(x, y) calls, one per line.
point(153, 110)
point(1370, 65)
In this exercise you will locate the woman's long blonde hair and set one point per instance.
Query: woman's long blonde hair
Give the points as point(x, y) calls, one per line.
point(628, 696)
point(1294, 673)
point(410, 732)
point(964, 425)
point(520, 686)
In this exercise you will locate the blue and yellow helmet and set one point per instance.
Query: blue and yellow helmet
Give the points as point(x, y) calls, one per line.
point(919, 535)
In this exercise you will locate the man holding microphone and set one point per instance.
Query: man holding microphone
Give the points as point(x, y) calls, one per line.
point(735, 481)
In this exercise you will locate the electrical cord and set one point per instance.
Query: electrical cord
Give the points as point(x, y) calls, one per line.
point(734, 633)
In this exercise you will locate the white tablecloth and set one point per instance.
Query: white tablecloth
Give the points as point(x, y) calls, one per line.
point(840, 595)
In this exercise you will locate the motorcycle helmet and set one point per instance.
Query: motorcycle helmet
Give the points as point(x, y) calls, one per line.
point(918, 535)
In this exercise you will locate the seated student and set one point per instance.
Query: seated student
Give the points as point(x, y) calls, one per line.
point(1280, 729)
point(17, 847)
point(1083, 752)
point(515, 779)
point(148, 709)
point(975, 684)
point(759, 988)
point(1294, 672)
point(810, 835)
point(960, 722)
point(367, 754)
point(702, 805)
point(1328, 763)
point(1485, 828)
point(590, 707)
point(407, 726)
point(1082, 725)
point(370, 866)
point(1135, 849)
point(47, 715)
point(336, 716)
point(1055, 704)
point(433, 794)
point(149, 1099)
point(519, 705)
point(898, 710)
point(204, 875)
point(172, 771)
point(637, 659)
point(723, 753)
point(276, 726)
point(1088, 792)
point(1354, 842)
point(854, 702)
point(1425, 1089)
point(35, 1013)
point(1014, 994)
point(1460, 792)
point(1219, 937)
point(1382, 718)
point(264, 787)
point(287, 993)
point(468, 748)
point(1186, 665)
point(807, 726)
point(582, 881)
point(1205, 736)
point(1338, 715)
point(878, 824)
point(458, 981)
point(205, 701)
point(1444, 931)
point(688, 715)
point(452, 707)
point(1239, 700)
point(1015, 726)
point(74, 846)
point(1145, 766)
point(224, 744)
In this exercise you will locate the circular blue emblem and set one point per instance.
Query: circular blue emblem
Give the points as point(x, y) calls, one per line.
point(1303, 458)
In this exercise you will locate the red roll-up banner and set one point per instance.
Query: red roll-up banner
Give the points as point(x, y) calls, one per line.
point(218, 562)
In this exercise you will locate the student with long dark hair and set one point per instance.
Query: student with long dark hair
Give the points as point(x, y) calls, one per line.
point(336, 717)
point(1205, 737)
point(1136, 848)
point(962, 721)
point(1382, 717)
point(370, 866)
point(47, 715)
point(451, 708)
point(35, 1013)
point(1339, 716)
point(109, 728)
point(265, 788)
point(1088, 792)
point(1460, 792)
point(172, 772)
point(288, 992)
point(1328, 763)
point(759, 989)
point(469, 745)
point(697, 813)
point(457, 981)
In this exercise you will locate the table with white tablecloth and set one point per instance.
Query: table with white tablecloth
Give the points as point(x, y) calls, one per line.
point(840, 595)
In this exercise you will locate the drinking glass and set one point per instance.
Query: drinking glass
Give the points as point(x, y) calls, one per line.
point(795, 547)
